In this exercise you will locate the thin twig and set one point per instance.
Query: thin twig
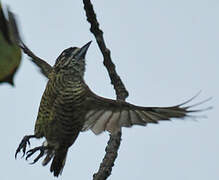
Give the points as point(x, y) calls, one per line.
point(113, 144)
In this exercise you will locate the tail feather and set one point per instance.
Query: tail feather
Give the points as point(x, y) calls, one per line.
point(58, 162)
point(49, 155)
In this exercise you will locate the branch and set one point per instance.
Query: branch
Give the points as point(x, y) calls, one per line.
point(121, 93)
point(116, 81)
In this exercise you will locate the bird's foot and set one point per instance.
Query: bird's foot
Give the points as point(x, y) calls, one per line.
point(32, 151)
point(23, 144)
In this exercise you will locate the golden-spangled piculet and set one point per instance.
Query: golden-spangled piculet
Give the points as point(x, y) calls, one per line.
point(69, 107)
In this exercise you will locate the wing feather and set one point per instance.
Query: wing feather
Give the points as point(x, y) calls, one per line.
point(149, 118)
point(136, 118)
point(126, 115)
point(125, 120)
point(92, 119)
point(113, 123)
point(101, 123)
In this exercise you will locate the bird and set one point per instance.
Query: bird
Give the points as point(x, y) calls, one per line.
point(10, 53)
point(68, 106)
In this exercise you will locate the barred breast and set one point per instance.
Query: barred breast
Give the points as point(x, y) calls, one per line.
point(60, 117)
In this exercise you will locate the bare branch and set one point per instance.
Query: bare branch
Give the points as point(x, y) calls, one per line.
point(112, 148)
point(121, 93)
point(116, 81)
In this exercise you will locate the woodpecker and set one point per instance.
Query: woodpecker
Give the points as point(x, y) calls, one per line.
point(10, 53)
point(69, 107)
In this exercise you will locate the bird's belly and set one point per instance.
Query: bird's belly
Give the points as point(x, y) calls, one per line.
point(64, 130)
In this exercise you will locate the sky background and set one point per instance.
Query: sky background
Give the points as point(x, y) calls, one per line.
point(164, 51)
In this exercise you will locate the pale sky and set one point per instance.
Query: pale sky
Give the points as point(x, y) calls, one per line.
point(164, 51)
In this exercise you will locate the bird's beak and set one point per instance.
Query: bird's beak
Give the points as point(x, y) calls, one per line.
point(82, 52)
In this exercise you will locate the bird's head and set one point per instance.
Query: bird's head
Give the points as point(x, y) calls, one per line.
point(72, 60)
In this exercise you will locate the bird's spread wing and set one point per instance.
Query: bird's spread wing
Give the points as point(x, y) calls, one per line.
point(45, 68)
point(111, 115)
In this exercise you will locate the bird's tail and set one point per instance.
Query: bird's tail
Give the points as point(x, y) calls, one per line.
point(58, 161)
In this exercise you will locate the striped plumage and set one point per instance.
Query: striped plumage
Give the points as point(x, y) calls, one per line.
point(68, 107)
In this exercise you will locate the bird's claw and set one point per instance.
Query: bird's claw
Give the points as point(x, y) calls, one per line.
point(23, 144)
point(32, 151)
